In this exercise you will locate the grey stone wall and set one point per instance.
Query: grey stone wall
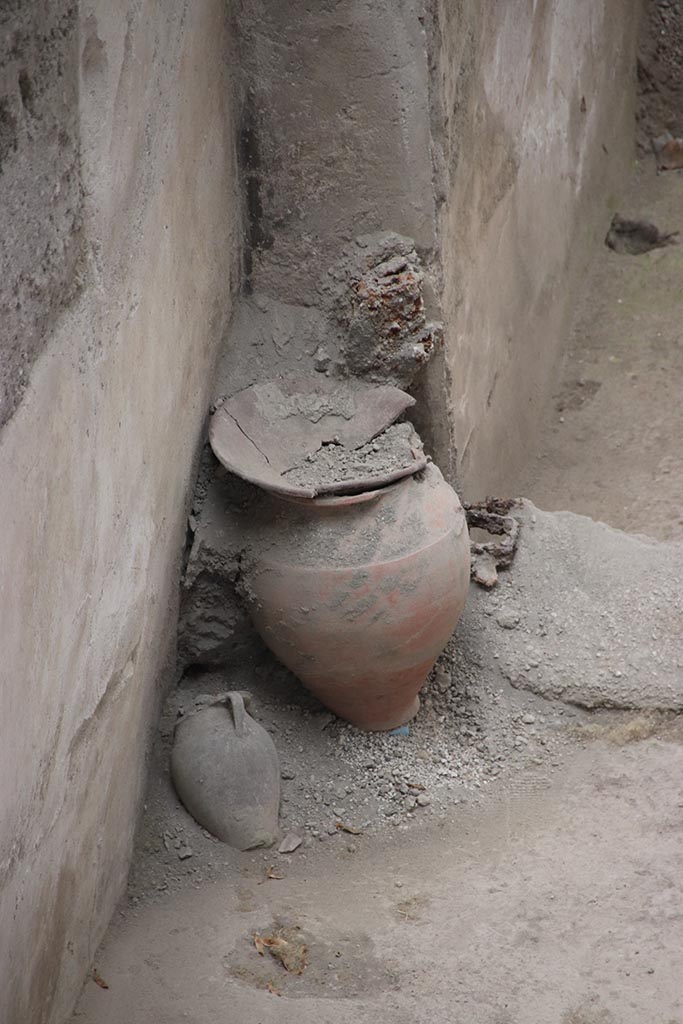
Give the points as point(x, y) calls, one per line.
point(121, 224)
point(41, 256)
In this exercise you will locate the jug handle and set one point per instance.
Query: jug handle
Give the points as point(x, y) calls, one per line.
point(239, 714)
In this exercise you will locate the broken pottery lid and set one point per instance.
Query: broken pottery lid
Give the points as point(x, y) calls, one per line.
point(268, 429)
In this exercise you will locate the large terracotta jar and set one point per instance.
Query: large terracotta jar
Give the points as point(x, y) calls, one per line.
point(357, 595)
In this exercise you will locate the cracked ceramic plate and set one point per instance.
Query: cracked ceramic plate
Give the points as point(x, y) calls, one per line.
point(268, 429)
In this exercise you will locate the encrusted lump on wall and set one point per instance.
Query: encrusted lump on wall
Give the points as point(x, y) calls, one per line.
point(386, 334)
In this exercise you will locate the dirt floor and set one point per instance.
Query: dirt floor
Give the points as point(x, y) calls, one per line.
point(547, 904)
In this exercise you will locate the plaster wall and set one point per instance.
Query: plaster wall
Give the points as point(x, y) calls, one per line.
point(335, 134)
point(335, 143)
point(537, 114)
point(121, 231)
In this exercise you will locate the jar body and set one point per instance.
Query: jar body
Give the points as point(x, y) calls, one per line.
point(357, 596)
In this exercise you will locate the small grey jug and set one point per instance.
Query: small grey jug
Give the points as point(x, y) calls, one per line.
point(226, 771)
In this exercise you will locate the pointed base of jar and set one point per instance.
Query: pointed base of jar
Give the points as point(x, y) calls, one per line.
point(381, 723)
point(358, 596)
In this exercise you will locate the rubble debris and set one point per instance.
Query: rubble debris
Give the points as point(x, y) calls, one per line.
point(285, 945)
point(636, 237)
point(668, 152)
point(492, 515)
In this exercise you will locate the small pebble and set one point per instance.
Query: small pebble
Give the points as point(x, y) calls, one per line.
point(507, 618)
point(290, 843)
point(442, 679)
point(423, 800)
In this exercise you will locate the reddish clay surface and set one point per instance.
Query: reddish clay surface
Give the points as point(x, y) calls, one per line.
point(358, 595)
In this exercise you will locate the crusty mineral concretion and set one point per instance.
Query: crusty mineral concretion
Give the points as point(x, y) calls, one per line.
point(493, 516)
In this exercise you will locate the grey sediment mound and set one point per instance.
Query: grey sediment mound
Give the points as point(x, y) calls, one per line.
point(394, 449)
point(586, 614)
